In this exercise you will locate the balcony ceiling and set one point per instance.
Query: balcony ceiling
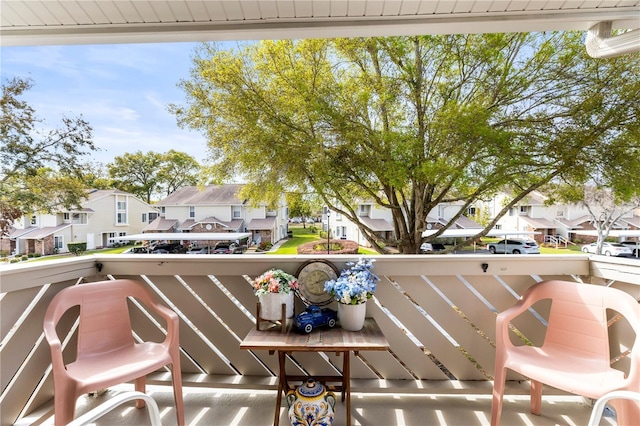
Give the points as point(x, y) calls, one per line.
point(137, 21)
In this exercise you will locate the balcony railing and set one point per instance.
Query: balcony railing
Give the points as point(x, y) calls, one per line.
point(437, 312)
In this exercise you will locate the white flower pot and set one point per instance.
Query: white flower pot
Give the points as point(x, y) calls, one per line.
point(351, 317)
point(271, 305)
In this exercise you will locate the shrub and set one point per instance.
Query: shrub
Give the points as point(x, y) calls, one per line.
point(77, 248)
point(14, 260)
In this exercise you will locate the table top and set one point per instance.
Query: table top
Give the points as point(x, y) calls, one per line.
point(370, 338)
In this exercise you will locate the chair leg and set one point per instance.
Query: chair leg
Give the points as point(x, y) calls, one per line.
point(498, 395)
point(536, 397)
point(141, 386)
point(176, 377)
point(64, 408)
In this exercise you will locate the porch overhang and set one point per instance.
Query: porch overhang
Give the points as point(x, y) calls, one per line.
point(134, 21)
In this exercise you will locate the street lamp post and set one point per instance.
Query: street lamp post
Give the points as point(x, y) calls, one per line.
point(328, 232)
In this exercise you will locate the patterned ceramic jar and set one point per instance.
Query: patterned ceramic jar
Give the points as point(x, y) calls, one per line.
point(310, 404)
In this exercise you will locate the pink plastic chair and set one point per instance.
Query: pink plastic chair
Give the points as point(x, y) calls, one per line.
point(575, 354)
point(107, 353)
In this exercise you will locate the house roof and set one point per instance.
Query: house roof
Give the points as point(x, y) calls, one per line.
point(186, 225)
point(160, 224)
point(135, 21)
point(539, 222)
point(43, 232)
point(94, 194)
point(376, 225)
point(18, 232)
point(233, 224)
point(209, 195)
point(574, 223)
point(633, 221)
point(464, 222)
point(261, 224)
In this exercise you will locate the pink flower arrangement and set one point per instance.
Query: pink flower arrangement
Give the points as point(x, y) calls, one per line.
point(275, 281)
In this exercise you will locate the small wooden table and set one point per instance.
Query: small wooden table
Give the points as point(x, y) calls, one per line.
point(337, 340)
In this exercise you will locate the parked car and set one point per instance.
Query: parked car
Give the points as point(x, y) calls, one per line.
point(168, 248)
point(314, 317)
point(512, 246)
point(609, 249)
point(201, 250)
point(229, 248)
point(431, 247)
point(634, 245)
point(139, 249)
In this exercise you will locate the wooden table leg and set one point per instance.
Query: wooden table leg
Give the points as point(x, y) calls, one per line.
point(346, 384)
point(282, 380)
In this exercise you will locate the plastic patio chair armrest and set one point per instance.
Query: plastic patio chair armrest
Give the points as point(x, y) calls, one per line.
point(56, 348)
point(505, 317)
point(171, 319)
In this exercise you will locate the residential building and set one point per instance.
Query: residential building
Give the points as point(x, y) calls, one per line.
point(218, 208)
point(552, 222)
point(380, 220)
point(103, 216)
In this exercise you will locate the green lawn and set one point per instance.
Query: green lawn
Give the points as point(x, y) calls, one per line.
point(304, 235)
point(300, 236)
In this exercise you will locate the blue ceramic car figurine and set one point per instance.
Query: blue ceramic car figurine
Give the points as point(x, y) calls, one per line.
point(314, 317)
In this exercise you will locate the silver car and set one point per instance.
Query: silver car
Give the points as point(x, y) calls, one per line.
point(512, 246)
point(609, 249)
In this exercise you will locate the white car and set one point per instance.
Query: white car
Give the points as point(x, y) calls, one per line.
point(609, 249)
point(514, 247)
point(431, 247)
point(633, 245)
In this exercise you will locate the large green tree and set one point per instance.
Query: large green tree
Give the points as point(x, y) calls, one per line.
point(610, 188)
point(41, 170)
point(152, 174)
point(409, 122)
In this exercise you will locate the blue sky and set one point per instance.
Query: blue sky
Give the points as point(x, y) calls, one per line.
point(121, 90)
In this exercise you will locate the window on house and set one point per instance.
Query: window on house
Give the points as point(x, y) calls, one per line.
point(153, 216)
point(33, 220)
point(364, 210)
point(144, 218)
point(471, 211)
point(512, 211)
point(237, 212)
point(162, 211)
point(121, 210)
point(192, 212)
point(525, 209)
point(66, 217)
point(58, 242)
point(79, 218)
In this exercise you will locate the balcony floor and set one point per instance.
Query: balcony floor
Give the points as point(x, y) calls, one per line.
point(210, 406)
